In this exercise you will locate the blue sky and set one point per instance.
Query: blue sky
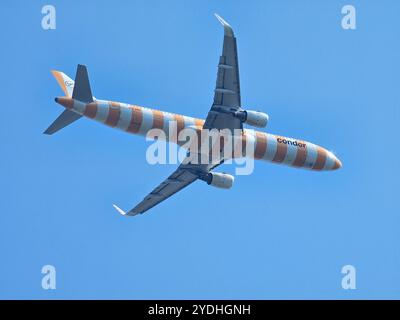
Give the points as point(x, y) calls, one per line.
point(279, 233)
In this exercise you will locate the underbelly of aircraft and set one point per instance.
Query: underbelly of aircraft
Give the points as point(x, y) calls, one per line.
point(173, 128)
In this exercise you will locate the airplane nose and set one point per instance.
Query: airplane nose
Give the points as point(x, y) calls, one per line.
point(337, 164)
point(332, 162)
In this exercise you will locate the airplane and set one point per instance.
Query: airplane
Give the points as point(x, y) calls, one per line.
point(226, 113)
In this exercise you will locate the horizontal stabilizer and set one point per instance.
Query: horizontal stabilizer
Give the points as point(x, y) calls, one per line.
point(65, 118)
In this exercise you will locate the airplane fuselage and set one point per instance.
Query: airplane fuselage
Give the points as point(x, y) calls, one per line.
point(264, 146)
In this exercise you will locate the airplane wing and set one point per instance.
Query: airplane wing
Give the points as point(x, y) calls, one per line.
point(226, 102)
point(227, 88)
point(181, 178)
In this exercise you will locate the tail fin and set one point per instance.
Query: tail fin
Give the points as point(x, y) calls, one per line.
point(82, 91)
point(79, 90)
point(65, 82)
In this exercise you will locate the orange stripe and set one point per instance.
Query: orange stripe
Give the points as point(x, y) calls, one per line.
point(261, 145)
point(301, 156)
point(180, 123)
point(136, 120)
point(280, 151)
point(66, 102)
point(244, 145)
point(198, 123)
point(158, 119)
point(114, 111)
point(321, 158)
point(91, 110)
point(60, 81)
point(337, 165)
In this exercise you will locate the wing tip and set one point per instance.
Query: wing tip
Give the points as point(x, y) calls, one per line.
point(227, 27)
point(120, 211)
point(124, 213)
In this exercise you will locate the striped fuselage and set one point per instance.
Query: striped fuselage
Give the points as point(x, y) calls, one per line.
point(263, 146)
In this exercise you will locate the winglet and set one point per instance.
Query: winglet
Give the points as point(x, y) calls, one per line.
point(227, 28)
point(122, 212)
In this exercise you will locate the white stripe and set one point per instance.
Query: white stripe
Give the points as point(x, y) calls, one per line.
point(147, 122)
point(290, 153)
point(79, 107)
point(312, 154)
point(272, 146)
point(68, 82)
point(173, 127)
point(125, 117)
point(102, 111)
point(189, 121)
point(168, 117)
point(238, 146)
point(330, 161)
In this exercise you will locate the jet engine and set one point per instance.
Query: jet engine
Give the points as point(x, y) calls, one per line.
point(254, 118)
point(220, 180)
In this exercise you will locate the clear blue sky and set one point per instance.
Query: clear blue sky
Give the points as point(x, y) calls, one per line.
point(279, 233)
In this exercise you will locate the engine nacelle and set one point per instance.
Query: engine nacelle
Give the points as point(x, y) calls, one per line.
point(256, 118)
point(220, 180)
point(253, 118)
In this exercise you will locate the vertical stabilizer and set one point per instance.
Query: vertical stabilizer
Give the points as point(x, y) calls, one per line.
point(82, 91)
point(65, 82)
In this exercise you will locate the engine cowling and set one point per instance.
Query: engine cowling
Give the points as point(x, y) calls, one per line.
point(220, 180)
point(256, 118)
point(253, 118)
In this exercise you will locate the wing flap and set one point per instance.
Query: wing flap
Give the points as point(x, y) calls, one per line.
point(180, 179)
